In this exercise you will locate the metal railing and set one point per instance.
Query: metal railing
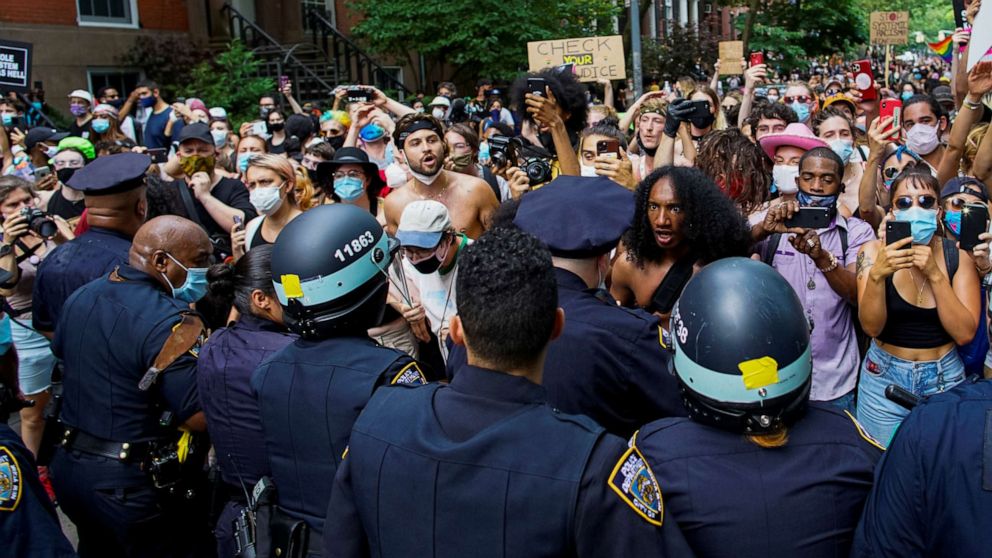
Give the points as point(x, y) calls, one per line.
point(351, 64)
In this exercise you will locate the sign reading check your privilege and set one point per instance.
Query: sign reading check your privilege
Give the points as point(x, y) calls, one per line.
point(594, 57)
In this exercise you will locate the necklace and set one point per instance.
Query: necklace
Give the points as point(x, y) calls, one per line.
point(919, 295)
point(437, 195)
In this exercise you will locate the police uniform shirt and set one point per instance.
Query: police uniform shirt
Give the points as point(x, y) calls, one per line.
point(108, 335)
point(224, 368)
point(608, 364)
point(933, 488)
point(734, 498)
point(309, 395)
point(70, 266)
point(29, 526)
point(485, 468)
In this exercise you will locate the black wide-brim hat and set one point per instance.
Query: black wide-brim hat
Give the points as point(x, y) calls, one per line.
point(350, 156)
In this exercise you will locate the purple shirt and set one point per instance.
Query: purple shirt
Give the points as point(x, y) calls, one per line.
point(835, 346)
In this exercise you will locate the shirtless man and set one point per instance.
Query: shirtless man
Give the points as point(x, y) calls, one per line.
point(681, 222)
point(470, 201)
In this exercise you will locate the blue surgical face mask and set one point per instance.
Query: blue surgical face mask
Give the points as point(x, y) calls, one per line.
point(843, 148)
point(244, 159)
point(195, 285)
point(100, 125)
point(922, 221)
point(348, 188)
point(801, 110)
point(7, 119)
point(952, 220)
point(813, 200)
point(906, 95)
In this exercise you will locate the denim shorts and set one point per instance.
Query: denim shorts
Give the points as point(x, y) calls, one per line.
point(881, 417)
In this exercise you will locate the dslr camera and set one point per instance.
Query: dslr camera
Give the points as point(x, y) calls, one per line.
point(39, 222)
point(513, 151)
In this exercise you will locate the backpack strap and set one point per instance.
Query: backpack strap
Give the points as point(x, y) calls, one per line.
point(768, 252)
point(950, 257)
point(671, 286)
point(842, 231)
point(493, 182)
point(185, 335)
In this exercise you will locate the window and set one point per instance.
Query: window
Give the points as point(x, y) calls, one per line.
point(123, 80)
point(708, 9)
point(108, 13)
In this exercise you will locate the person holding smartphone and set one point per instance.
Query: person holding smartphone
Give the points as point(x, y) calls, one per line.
point(820, 267)
point(603, 152)
point(917, 301)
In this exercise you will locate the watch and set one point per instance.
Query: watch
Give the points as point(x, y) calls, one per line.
point(5, 249)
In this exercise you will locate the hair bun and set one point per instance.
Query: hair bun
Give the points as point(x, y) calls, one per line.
point(220, 280)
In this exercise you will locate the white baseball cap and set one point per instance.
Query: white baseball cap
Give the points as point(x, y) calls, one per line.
point(422, 224)
point(82, 94)
point(217, 113)
point(440, 101)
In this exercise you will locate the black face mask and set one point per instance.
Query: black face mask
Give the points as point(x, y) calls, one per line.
point(337, 142)
point(428, 266)
point(65, 174)
point(649, 151)
point(275, 127)
point(116, 103)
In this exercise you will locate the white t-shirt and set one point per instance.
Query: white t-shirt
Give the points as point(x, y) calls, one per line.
point(436, 293)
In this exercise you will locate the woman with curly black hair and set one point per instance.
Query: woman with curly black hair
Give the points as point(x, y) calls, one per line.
point(553, 119)
point(682, 221)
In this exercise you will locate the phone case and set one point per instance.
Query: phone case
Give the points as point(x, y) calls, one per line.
point(974, 221)
point(810, 218)
point(865, 80)
point(897, 230)
point(893, 108)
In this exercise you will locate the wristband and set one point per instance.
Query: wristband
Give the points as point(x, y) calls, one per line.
point(971, 105)
point(832, 266)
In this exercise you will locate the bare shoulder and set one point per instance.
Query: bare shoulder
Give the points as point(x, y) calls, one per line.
point(474, 187)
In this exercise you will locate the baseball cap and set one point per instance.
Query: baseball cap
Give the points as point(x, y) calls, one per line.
point(82, 94)
point(39, 134)
point(217, 113)
point(196, 130)
point(960, 185)
point(422, 224)
point(440, 101)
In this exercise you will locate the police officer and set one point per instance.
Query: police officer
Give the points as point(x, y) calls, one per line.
point(756, 470)
point(223, 378)
point(484, 467)
point(128, 347)
point(329, 272)
point(29, 526)
point(609, 363)
point(114, 191)
point(933, 488)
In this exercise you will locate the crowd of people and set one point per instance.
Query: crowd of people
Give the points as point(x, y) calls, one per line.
point(539, 320)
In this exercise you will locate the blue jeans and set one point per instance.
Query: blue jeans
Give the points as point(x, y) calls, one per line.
point(881, 417)
point(844, 402)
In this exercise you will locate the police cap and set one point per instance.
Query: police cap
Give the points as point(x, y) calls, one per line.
point(576, 216)
point(111, 174)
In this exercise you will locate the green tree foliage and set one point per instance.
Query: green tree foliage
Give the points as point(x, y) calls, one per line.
point(230, 80)
point(479, 39)
point(166, 59)
point(676, 54)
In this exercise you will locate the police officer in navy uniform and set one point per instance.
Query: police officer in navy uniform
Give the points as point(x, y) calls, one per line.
point(609, 364)
point(224, 369)
point(329, 272)
point(756, 470)
point(111, 336)
point(933, 488)
point(485, 467)
point(29, 526)
point(114, 193)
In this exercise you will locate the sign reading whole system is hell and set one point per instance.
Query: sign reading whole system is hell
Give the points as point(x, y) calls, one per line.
point(15, 66)
point(594, 57)
point(889, 28)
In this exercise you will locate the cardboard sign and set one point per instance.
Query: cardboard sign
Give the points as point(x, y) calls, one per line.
point(731, 58)
point(981, 36)
point(594, 57)
point(890, 28)
point(15, 66)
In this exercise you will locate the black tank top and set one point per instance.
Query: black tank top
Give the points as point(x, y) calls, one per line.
point(58, 205)
point(913, 327)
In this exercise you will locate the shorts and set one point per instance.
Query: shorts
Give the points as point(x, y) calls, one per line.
point(35, 360)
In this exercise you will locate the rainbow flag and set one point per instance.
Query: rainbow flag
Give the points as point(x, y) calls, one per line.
point(943, 48)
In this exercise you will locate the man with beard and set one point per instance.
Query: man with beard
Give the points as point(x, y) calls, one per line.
point(681, 222)
point(469, 200)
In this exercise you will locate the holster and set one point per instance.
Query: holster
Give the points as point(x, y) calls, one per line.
point(279, 535)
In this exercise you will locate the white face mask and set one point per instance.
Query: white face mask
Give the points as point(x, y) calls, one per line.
point(51, 151)
point(266, 200)
point(427, 180)
point(587, 170)
point(922, 139)
point(438, 113)
point(785, 178)
point(220, 137)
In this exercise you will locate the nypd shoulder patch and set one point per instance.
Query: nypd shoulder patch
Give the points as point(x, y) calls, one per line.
point(410, 374)
point(635, 484)
point(864, 433)
point(10, 481)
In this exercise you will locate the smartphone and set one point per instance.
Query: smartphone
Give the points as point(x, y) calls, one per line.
point(42, 172)
point(159, 154)
point(282, 81)
point(864, 80)
point(357, 94)
point(893, 108)
point(974, 221)
point(700, 109)
point(810, 218)
point(897, 230)
point(238, 222)
point(610, 148)
point(259, 129)
point(757, 58)
point(536, 86)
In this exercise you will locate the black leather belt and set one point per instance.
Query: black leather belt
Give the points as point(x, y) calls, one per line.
point(77, 440)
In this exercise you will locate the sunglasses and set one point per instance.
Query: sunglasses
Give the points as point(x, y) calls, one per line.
point(891, 172)
point(959, 203)
point(801, 99)
point(925, 201)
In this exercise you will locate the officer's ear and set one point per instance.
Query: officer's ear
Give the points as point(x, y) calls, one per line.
point(559, 326)
point(455, 331)
point(141, 208)
point(160, 261)
point(261, 300)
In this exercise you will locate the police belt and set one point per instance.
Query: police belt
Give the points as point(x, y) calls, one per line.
point(125, 452)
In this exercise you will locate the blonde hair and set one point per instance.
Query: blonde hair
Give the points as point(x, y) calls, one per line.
point(971, 146)
point(282, 167)
point(654, 104)
point(774, 439)
point(304, 191)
